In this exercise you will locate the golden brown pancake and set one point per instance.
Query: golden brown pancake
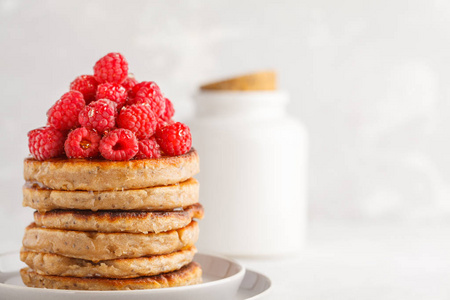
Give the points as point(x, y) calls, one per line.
point(54, 264)
point(106, 175)
point(188, 275)
point(119, 221)
point(97, 246)
point(154, 198)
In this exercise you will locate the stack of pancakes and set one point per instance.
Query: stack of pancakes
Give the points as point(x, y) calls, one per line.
point(111, 225)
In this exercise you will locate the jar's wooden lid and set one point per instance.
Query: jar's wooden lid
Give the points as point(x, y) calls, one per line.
point(258, 81)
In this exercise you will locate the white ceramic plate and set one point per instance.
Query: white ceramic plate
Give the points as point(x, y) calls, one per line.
point(254, 286)
point(222, 279)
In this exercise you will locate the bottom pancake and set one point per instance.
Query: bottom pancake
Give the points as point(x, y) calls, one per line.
point(58, 265)
point(188, 275)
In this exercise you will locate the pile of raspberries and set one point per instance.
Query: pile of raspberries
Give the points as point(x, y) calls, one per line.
point(110, 114)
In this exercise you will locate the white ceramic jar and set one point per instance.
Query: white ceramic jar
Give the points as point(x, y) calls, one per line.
point(253, 173)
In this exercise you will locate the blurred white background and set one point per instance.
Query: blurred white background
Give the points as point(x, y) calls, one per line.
point(369, 79)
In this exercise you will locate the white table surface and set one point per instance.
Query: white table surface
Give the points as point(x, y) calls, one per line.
point(355, 260)
point(364, 261)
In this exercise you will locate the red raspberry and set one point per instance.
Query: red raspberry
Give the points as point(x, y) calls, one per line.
point(99, 115)
point(63, 115)
point(112, 91)
point(82, 143)
point(113, 67)
point(138, 118)
point(119, 144)
point(162, 123)
point(148, 149)
point(169, 111)
point(149, 92)
point(129, 83)
point(45, 143)
point(174, 139)
point(87, 85)
point(132, 93)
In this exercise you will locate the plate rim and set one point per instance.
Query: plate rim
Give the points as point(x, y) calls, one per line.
point(240, 273)
point(263, 293)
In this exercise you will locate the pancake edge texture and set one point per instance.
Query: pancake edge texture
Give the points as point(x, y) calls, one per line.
point(97, 246)
point(155, 198)
point(188, 275)
point(58, 265)
point(106, 175)
point(119, 221)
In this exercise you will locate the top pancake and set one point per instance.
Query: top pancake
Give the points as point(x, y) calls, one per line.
point(104, 175)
